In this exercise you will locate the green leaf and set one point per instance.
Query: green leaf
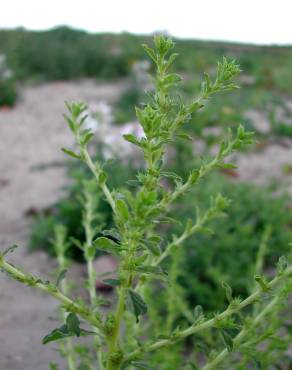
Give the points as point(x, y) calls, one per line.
point(153, 248)
point(106, 244)
point(57, 334)
point(61, 276)
point(149, 269)
point(132, 139)
point(122, 210)
point(90, 252)
point(282, 265)
point(194, 176)
point(8, 250)
point(227, 340)
point(228, 292)
point(71, 153)
point(262, 283)
point(112, 282)
point(138, 305)
point(142, 365)
point(102, 177)
point(73, 324)
point(198, 313)
point(171, 175)
point(86, 138)
point(184, 136)
point(228, 165)
point(150, 52)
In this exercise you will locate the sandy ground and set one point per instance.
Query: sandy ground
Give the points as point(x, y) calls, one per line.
point(31, 136)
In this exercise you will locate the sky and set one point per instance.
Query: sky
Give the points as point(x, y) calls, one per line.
point(251, 21)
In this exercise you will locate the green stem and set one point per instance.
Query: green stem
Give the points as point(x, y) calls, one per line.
point(96, 171)
point(70, 305)
point(113, 340)
point(193, 329)
point(242, 334)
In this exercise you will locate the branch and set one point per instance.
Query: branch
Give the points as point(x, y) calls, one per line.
point(196, 328)
point(242, 334)
point(52, 290)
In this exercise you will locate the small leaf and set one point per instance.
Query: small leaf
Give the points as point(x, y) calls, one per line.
point(228, 292)
point(132, 139)
point(102, 177)
point(57, 334)
point(8, 250)
point(112, 282)
point(262, 283)
point(198, 313)
point(194, 176)
point(282, 265)
point(184, 136)
point(228, 165)
point(138, 305)
point(227, 340)
point(71, 153)
point(105, 244)
point(61, 276)
point(142, 365)
point(122, 210)
point(150, 52)
point(73, 324)
point(149, 269)
point(153, 248)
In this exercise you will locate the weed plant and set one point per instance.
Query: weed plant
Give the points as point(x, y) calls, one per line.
point(126, 336)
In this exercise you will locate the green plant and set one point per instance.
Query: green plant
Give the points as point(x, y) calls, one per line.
point(137, 244)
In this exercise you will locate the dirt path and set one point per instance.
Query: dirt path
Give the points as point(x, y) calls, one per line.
point(31, 136)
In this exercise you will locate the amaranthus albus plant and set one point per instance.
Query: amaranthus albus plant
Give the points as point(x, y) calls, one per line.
point(120, 337)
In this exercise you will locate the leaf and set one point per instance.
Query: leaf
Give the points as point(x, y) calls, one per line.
point(150, 52)
point(172, 79)
point(138, 305)
point(142, 365)
point(184, 136)
point(57, 334)
point(198, 313)
point(228, 165)
point(112, 282)
point(71, 153)
point(149, 269)
point(122, 209)
point(102, 177)
point(9, 250)
point(61, 276)
point(86, 138)
point(228, 292)
point(153, 248)
point(73, 324)
point(171, 175)
point(105, 244)
point(282, 265)
point(132, 139)
point(262, 283)
point(227, 340)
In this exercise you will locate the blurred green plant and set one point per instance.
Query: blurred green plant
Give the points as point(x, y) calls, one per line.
point(8, 92)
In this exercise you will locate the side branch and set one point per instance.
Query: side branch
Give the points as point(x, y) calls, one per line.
point(52, 290)
point(196, 328)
